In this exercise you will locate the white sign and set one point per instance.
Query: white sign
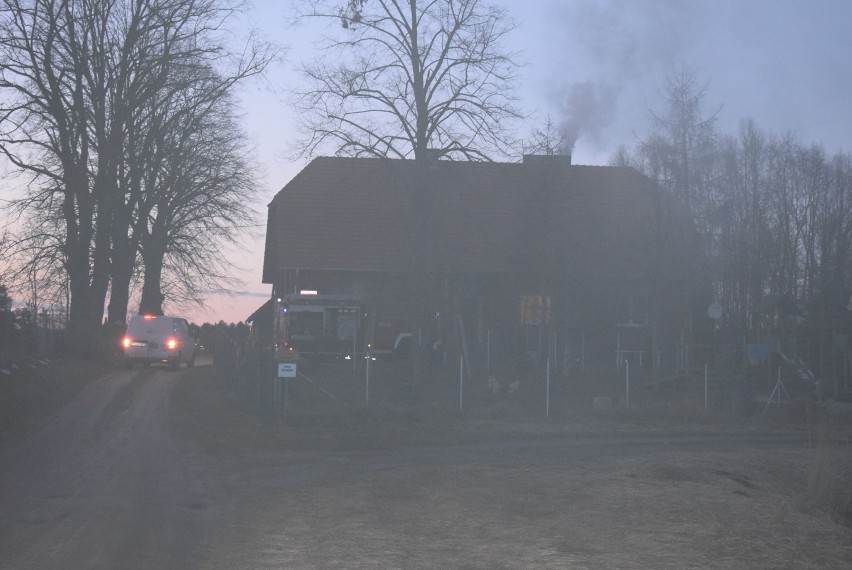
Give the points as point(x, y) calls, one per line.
point(286, 369)
point(714, 311)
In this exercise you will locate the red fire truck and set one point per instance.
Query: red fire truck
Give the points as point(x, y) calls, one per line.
point(335, 326)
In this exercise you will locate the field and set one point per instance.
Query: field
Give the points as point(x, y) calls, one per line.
point(332, 483)
point(432, 487)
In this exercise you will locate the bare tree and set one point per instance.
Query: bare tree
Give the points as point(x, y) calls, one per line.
point(37, 264)
point(823, 235)
point(202, 181)
point(46, 79)
point(5, 252)
point(775, 216)
point(192, 87)
point(74, 75)
point(680, 151)
point(548, 139)
point(420, 79)
point(739, 224)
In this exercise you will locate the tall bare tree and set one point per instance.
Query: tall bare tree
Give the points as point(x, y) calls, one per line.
point(680, 151)
point(74, 79)
point(195, 81)
point(680, 154)
point(202, 181)
point(739, 224)
point(420, 79)
point(775, 216)
point(47, 77)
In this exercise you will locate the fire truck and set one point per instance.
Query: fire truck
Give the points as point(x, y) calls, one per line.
point(336, 326)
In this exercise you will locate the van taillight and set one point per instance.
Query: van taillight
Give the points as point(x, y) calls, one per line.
point(125, 342)
point(172, 343)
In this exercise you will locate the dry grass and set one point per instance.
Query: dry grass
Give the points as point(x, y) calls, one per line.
point(667, 511)
point(392, 489)
point(830, 474)
point(435, 488)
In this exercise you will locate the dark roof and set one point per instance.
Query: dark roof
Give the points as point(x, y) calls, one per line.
point(358, 213)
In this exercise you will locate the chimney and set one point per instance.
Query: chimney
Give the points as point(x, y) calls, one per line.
point(432, 154)
point(548, 159)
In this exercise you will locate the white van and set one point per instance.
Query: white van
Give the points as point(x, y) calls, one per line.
point(158, 339)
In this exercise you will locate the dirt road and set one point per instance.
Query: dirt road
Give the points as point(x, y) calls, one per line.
point(106, 484)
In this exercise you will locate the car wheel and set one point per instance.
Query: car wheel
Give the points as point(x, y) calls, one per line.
point(175, 364)
point(191, 362)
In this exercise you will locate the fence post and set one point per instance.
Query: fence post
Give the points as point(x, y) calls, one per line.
point(488, 351)
point(547, 397)
point(367, 383)
point(461, 382)
point(627, 382)
point(618, 350)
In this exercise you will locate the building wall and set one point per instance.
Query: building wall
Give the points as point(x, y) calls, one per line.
point(603, 245)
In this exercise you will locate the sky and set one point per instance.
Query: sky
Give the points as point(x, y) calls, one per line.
point(600, 65)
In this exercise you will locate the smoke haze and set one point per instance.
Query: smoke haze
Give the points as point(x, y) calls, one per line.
point(783, 63)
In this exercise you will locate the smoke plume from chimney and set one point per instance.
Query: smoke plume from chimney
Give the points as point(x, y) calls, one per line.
point(585, 108)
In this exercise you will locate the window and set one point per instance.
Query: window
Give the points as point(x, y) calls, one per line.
point(535, 309)
point(306, 322)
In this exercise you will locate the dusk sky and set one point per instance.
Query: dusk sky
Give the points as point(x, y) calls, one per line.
point(787, 64)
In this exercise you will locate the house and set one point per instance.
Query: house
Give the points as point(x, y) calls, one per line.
point(521, 257)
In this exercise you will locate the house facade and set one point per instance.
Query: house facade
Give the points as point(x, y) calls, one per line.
point(530, 258)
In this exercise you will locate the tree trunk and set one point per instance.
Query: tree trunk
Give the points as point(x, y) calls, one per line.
point(152, 297)
point(119, 296)
point(84, 316)
point(125, 245)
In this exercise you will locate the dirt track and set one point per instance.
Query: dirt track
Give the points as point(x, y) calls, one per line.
point(104, 486)
point(107, 484)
